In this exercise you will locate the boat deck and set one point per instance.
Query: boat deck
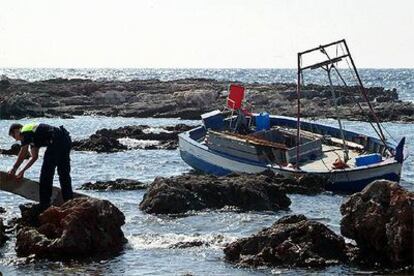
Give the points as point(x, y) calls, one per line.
point(330, 154)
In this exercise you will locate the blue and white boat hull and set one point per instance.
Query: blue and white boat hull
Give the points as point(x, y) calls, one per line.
point(200, 157)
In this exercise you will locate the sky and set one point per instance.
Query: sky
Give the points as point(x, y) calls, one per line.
point(201, 33)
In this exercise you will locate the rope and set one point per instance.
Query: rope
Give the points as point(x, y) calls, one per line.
point(359, 105)
point(354, 77)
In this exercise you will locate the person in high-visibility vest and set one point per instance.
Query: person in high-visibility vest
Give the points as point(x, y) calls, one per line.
point(57, 155)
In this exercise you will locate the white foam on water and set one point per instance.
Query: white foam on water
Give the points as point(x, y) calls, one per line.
point(137, 144)
point(163, 241)
point(155, 130)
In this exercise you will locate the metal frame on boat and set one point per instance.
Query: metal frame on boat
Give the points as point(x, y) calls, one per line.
point(361, 158)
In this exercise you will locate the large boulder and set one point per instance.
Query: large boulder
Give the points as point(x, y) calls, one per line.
point(380, 220)
point(183, 193)
point(82, 227)
point(291, 241)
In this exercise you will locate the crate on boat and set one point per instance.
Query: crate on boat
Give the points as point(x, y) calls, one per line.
point(213, 120)
point(368, 159)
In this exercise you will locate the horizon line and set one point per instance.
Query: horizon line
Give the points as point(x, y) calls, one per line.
point(198, 68)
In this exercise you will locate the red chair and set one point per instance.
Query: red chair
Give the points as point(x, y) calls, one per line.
point(235, 101)
point(236, 96)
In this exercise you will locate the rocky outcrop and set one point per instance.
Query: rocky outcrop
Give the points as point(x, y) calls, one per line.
point(291, 241)
point(380, 220)
point(100, 144)
point(117, 184)
point(82, 227)
point(19, 106)
point(132, 137)
point(196, 192)
point(186, 98)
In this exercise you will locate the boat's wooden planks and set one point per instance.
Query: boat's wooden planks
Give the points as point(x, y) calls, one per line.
point(28, 189)
point(330, 154)
point(249, 139)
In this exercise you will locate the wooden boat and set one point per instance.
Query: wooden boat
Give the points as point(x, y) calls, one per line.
point(29, 189)
point(291, 146)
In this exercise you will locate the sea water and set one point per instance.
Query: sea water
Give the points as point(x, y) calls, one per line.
point(148, 250)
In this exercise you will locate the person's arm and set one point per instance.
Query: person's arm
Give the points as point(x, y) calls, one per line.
point(20, 158)
point(34, 152)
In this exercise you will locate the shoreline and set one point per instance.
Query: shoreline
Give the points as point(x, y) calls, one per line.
point(187, 99)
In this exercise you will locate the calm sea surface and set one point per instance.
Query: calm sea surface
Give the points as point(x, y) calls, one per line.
point(147, 252)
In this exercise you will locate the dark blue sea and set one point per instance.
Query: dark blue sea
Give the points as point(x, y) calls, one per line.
point(148, 252)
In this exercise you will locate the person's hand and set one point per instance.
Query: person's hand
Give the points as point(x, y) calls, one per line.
point(12, 172)
point(20, 175)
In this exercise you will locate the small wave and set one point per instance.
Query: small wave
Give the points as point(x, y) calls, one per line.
point(137, 144)
point(155, 130)
point(160, 241)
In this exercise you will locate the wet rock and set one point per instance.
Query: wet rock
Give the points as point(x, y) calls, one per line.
point(380, 220)
point(4, 82)
point(29, 215)
point(14, 150)
point(3, 236)
point(118, 184)
point(82, 227)
point(180, 194)
point(306, 184)
point(132, 137)
point(291, 241)
point(99, 143)
point(19, 106)
point(182, 245)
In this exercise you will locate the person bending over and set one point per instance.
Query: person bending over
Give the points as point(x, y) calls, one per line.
point(57, 155)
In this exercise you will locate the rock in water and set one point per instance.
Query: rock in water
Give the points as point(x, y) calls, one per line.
point(14, 150)
point(380, 220)
point(82, 227)
point(99, 143)
point(196, 192)
point(291, 241)
point(3, 236)
point(118, 184)
point(139, 137)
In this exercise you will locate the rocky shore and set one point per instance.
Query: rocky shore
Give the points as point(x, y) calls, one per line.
point(132, 137)
point(186, 98)
point(379, 219)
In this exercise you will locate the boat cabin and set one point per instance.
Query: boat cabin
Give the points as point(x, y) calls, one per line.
point(257, 143)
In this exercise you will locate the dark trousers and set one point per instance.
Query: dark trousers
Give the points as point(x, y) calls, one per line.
point(57, 155)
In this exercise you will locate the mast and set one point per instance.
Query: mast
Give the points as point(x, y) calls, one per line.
point(298, 112)
point(346, 155)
